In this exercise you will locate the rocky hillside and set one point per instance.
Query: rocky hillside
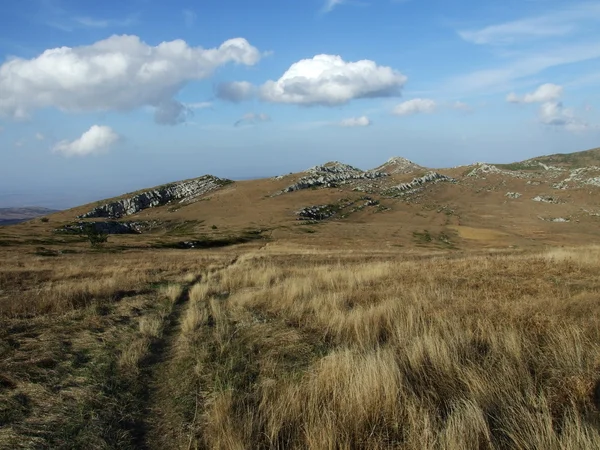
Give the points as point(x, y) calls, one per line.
point(543, 200)
point(332, 174)
point(575, 160)
point(184, 191)
point(398, 164)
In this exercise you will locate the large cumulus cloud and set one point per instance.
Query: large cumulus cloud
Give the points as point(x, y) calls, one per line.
point(329, 80)
point(119, 73)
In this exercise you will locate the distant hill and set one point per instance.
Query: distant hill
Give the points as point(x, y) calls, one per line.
point(575, 160)
point(11, 216)
point(541, 201)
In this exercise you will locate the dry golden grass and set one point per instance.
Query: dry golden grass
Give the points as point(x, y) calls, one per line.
point(59, 285)
point(278, 349)
point(496, 351)
point(171, 292)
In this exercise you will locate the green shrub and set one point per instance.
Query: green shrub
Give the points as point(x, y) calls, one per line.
point(96, 238)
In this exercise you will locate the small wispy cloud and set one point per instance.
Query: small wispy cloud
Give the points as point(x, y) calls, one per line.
point(252, 119)
point(40, 136)
point(415, 106)
point(501, 78)
point(553, 24)
point(98, 139)
point(189, 17)
point(545, 93)
point(19, 143)
point(53, 14)
point(199, 105)
point(91, 22)
point(362, 121)
point(461, 106)
point(330, 5)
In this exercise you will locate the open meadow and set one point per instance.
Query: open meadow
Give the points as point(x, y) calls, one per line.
point(282, 346)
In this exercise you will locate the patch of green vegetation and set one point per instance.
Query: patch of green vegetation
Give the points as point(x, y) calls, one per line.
point(43, 251)
point(15, 409)
point(204, 242)
point(422, 236)
point(186, 227)
point(223, 182)
point(96, 238)
point(425, 237)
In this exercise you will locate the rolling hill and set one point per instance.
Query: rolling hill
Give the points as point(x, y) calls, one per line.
point(545, 200)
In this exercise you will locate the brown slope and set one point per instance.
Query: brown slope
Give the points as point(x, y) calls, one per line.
point(473, 212)
point(564, 160)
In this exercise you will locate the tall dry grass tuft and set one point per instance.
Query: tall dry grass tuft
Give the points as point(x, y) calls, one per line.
point(171, 291)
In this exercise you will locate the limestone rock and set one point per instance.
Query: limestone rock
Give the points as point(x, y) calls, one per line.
point(182, 192)
point(417, 183)
point(331, 175)
point(398, 164)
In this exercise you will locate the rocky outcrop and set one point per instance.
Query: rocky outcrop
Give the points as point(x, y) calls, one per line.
point(555, 219)
point(417, 183)
point(317, 212)
point(182, 192)
point(545, 199)
point(332, 175)
point(513, 195)
point(581, 177)
point(482, 169)
point(398, 164)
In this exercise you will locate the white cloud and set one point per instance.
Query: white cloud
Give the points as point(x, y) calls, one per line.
point(461, 106)
point(509, 32)
point(98, 139)
point(252, 118)
point(552, 112)
point(500, 78)
point(91, 22)
point(235, 91)
point(119, 73)
point(556, 115)
point(189, 17)
point(40, 136)
point(330, 4)
point(558, 23)
point(362, 121)
point(329, 80)
point(415, 106)
point(545, 93)
point(20, 143)
point(199, 105)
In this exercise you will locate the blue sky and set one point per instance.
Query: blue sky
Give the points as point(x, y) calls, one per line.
point(98, 98)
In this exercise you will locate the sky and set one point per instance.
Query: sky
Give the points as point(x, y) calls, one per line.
point(102, 98)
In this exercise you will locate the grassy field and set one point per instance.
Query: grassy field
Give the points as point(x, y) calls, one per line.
point(286, 347)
